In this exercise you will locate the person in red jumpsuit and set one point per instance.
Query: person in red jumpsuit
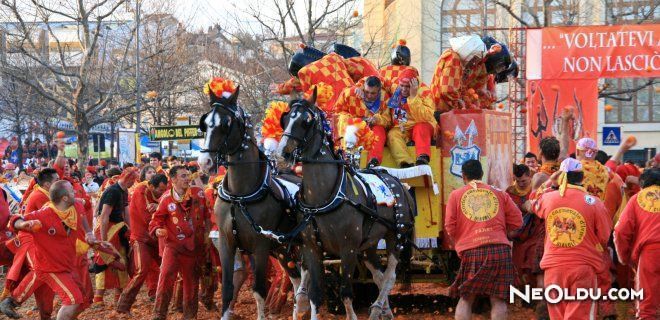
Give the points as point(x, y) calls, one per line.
point(22, 244)
point(182, 221)
point(145, 248)
point(56, 229)
point(637, 241)
point(6, 256)
point(577, 231)
point(478, 219)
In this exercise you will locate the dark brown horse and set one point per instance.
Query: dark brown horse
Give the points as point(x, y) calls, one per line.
point(342, 217)
point(252, 209)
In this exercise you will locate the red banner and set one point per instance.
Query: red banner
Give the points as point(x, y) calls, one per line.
point(546, 101)
point(600, 52)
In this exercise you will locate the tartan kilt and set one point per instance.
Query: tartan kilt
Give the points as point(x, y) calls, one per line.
point(486, 270)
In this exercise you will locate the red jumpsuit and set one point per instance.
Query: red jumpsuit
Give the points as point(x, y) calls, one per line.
point(55, 255)
point(185, 220)
point(577, 232)
point(6, 256)
point(145, 247)
point(637, 241)
point(23, 243)
point(524, 242)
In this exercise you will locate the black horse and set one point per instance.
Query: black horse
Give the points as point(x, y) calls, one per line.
point(253, 207)
point(342, 216)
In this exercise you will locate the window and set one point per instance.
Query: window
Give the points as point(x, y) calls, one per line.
point(463, 17)
point(644, 105)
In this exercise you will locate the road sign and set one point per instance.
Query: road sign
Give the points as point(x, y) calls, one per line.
point(611, 136)
point(174, 133)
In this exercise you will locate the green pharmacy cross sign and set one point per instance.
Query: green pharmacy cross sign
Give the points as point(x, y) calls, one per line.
point(174, 133)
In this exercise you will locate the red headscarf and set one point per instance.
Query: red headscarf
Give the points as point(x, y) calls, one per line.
point(407, 75)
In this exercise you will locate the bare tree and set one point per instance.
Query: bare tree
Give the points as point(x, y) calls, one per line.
point(80, 72)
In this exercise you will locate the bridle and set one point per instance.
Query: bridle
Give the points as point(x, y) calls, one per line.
point(317, 124)
point(240, 121)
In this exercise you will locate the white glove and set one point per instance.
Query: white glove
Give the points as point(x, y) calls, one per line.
point(270, 145)
point(350, 137)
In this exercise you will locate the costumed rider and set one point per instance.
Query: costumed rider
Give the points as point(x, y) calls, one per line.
point(400, 63)
point(302, 57)
point(363, 106)
point(412, 112)
point(357, 66)
point(461, 74)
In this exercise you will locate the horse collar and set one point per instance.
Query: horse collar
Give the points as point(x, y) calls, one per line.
point(337, 200)
point(255, 196)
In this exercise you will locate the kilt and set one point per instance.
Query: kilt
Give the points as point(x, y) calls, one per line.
point(486, 270)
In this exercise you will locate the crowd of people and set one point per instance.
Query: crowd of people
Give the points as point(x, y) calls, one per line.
point(579, 221)
point(112, 229)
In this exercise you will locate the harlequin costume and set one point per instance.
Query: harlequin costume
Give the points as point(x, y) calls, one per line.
point(145, 247)
point(400, 63)
point(412, 119)
point(637, 241)
point(185, 219)
point(357, 66)
point(351, 103)
point(477, 221)
point(577, 232)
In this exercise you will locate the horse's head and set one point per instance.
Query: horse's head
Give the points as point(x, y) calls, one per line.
point(303, 128)
point(225, 127)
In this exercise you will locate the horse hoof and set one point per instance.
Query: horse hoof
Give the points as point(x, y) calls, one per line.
point(387, 314)
point(375, 312)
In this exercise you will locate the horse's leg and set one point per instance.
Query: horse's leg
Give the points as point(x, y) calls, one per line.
point(259, 267)
point(301, 296)
point(227, 253)
point(389, 277)
point(373, 265)
point(314, 268)
point(348, 262)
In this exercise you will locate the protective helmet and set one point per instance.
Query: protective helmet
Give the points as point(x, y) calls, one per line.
point(401, 54)
point(497, 62)
point(303, 56)
point(512, 71)
point(343, 50)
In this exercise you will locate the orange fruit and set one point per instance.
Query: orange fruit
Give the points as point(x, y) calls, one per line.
point(523, 110)
point(500, 105)
point(291, 265)
point(631, 140)
point(608, 107)
point(475, 96)
point(471, 91)
point(649, 69)
point(60, 134)
point(356, 14)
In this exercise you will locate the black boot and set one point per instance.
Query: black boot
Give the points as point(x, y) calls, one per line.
point(373, 163)
point(7, 307)
point(423, 159)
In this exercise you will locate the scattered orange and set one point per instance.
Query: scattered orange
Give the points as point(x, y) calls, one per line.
point(608, 107)
point(356, 14)
point(649, 69)
point(631, 140)
point(471, 91)
point(523, 110)
point(60, 134)
point(292, 264)
point(500, 105)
